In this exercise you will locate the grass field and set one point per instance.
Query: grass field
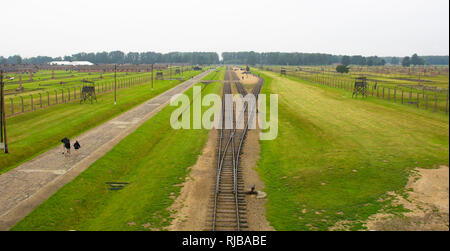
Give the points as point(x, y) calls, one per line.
point(335, 156)
point(153, 159)
point(43, 80)
point(44, 92)
point(392, 83)
point(432, 76)
point(32, 133)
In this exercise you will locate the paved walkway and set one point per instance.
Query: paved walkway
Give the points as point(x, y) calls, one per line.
point(25, 187)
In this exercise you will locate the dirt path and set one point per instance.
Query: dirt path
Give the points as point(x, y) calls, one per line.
point(190, 209)
point(248, 80)
point(427, 201)
point(26, 186)
point(256, 210)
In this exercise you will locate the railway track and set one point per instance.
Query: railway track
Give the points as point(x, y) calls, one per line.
point(229, 207)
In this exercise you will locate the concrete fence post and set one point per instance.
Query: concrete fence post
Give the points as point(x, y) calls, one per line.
point(395, 94)
point(417, 100)
point(21, 98)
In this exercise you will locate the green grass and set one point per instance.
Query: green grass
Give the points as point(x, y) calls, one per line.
point(336, 156)
point(153, 159)
point(44, 93)
point(388, 79)
point(32, 133)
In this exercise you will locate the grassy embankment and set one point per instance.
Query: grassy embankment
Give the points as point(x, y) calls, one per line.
point(32, 133)
point(153, 159)
point(335, 156)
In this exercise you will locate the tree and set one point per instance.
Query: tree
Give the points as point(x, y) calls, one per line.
point(346, 60)
point(358, 60)
point(395, 60)
point(416, 60)
point(16, 59)
point(342, 68)
point(436, 60)
point(251, 59)
point(406, 62)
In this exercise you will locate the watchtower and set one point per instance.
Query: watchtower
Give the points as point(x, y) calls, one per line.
point(88, 92)
point(360, 87)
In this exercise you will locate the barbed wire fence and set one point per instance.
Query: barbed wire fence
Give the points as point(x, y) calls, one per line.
point(420, 96)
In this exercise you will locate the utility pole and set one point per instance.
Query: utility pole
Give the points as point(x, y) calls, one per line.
point(152, 77)
point(3, 116)
point(115, 84)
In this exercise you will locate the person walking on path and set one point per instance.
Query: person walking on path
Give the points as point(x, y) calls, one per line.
point(76, 146)
point(66, 144)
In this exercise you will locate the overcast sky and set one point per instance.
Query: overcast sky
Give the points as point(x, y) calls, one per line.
point(365, 27)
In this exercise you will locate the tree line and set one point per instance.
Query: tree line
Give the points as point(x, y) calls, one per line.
point(119, 57)
point(279, 58)
point(249, 58)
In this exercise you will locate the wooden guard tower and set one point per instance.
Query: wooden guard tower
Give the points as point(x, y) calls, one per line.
point(360, 87)
point(88, 92)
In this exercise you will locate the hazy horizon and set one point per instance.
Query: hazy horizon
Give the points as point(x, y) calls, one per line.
point(348, 27)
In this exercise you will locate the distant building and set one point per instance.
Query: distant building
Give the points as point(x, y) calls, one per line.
point(73, 63)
